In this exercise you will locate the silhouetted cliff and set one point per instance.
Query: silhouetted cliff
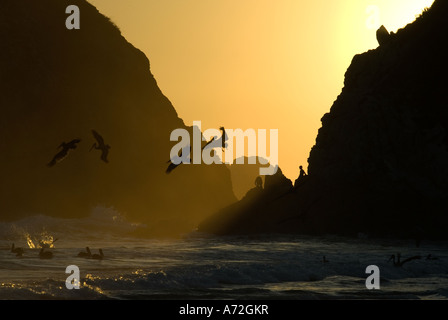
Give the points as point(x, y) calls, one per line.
point(243, 175)
point(57, 85)
point(379, 165)
point(254, 212)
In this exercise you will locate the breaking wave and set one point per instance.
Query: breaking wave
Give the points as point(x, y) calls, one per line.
point(43, 231)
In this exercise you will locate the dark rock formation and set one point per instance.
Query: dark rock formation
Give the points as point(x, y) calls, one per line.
point(254, 212)
point(301, 178)
point(382, 35)
point(243, 175)
point(382, 150)
point(379, 165)
point(57, 85)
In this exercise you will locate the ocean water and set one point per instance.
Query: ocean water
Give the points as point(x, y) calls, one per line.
point(204, 267)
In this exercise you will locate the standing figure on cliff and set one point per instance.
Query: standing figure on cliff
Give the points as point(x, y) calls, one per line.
point(302, 172)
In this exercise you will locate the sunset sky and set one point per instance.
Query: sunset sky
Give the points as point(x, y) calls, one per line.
point(261, 64)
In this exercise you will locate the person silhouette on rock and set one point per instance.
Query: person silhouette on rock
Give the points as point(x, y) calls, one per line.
point(299, 180)
point(302, 172)
point(259, 182)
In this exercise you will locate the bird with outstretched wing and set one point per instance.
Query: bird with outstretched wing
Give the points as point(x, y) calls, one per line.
point(100, 146)
point(224, 138)
point(180, 157)
point(61, 155)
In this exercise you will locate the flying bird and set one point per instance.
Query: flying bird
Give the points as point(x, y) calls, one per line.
point(208, 143)
point(224, 138)
point(172, 165)
point(61, 155)
point(100, 146)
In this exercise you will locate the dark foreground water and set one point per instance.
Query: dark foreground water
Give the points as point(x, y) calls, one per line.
point(200, 267)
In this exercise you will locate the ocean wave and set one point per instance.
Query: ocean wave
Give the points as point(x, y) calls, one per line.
point(224, 268)
point(42, 231)
point(218, 282)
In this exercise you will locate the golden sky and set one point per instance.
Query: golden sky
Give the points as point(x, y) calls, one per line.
point(261, 64)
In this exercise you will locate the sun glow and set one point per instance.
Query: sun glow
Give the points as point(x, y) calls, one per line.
point(397, 14)
point(273, 64)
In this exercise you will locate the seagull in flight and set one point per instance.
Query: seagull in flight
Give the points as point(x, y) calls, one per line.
point(224, 138)
point(100, 146)
point(61, 155)
point(208, 143)
point(172, 165)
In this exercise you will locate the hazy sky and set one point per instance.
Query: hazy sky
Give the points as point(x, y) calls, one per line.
point(261, 64)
